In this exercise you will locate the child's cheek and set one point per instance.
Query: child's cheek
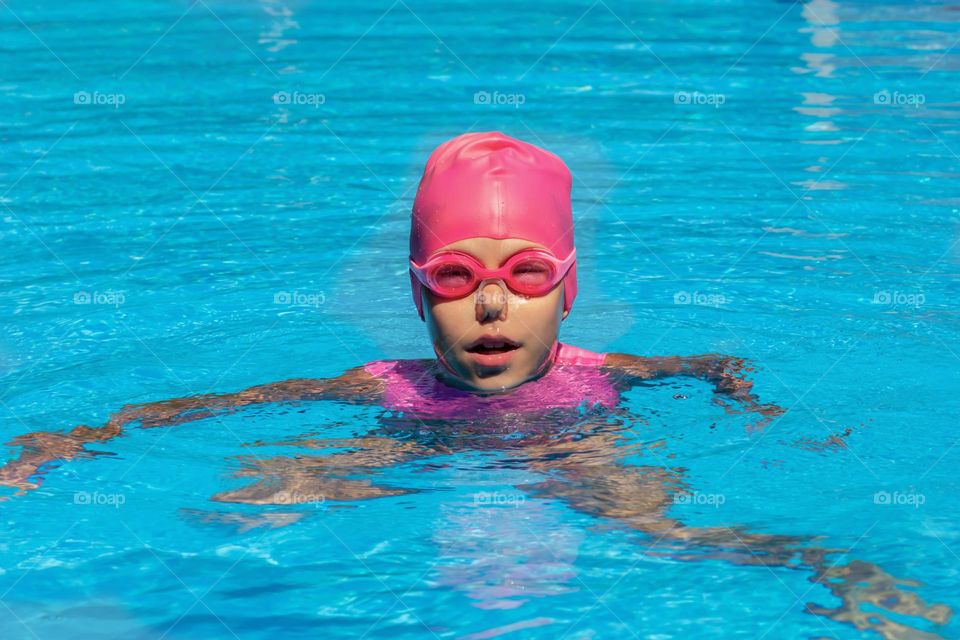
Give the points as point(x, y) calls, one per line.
point(542, 314)
point(450, 320)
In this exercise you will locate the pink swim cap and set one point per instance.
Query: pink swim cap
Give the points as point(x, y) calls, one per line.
point(493, 186)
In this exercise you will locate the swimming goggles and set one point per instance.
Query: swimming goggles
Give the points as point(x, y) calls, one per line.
point(529, 272)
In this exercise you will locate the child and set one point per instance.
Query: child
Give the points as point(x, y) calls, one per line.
point(493, 272)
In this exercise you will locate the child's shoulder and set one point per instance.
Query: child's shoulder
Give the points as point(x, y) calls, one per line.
point(570, 355)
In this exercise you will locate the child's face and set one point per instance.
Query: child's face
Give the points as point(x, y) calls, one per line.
point(533, 323)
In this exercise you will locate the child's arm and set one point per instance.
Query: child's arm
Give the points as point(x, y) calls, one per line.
point(354, 386)
point(726, 373)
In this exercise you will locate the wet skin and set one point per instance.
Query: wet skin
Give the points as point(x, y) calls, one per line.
point(453, 324)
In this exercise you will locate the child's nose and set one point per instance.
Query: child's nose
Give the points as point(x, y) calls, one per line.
point(491, 300)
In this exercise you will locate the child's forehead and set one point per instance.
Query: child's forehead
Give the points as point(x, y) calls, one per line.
point(492, 250)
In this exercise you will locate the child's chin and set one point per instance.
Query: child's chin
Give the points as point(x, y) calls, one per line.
point(489, 379)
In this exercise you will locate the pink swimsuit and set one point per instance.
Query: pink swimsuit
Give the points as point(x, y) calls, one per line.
point(574, 379)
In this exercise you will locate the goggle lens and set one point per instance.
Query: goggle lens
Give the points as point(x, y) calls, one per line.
point(531, 275)
point(453, 276)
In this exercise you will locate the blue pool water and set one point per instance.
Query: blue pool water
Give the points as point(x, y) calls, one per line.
point(775, 181)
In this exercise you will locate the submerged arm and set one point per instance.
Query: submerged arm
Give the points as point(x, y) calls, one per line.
point(726, 373)
point(588, 475)
point(354, 386)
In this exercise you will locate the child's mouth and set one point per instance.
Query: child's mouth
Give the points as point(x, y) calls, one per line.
point(492, 350)
point(501, 348)
point(492, 344)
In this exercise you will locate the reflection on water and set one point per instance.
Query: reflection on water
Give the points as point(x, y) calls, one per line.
point(507, 551)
